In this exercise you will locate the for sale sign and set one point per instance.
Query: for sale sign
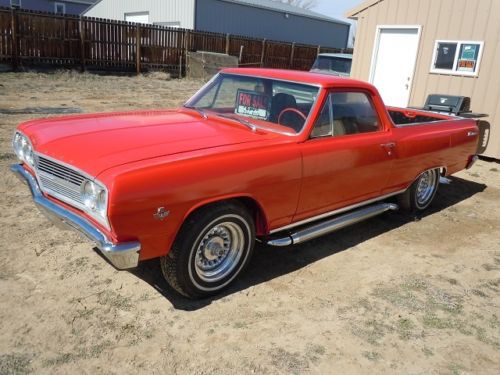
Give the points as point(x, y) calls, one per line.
point(253, 104)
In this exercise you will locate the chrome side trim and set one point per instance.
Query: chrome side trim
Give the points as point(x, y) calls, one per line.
point(444, 181)
point(336, 212)
point(121, 255)
point(422, 123)
point(332, 225)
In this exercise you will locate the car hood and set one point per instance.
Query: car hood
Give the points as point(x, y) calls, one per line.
point(95, 143)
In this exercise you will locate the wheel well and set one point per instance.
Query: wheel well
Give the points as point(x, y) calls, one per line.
point(253, 207)
point(257, 212)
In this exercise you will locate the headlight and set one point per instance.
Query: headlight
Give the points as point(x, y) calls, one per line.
point(102, 203)
point(23, 149)
point(95, 198)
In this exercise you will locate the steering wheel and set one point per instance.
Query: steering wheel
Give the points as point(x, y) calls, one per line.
point(292, 110)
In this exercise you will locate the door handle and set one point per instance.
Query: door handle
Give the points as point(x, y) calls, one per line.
point(389, 147)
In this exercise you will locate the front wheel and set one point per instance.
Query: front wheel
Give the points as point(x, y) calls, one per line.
point(421, 193)
point(212, 248)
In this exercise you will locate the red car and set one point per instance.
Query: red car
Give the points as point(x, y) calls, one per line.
point(278, 156)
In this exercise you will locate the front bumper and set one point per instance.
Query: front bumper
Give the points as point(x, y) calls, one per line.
point(121, 255)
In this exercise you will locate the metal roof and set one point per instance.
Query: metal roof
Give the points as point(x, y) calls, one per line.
point(89, 2)
point(286, 8)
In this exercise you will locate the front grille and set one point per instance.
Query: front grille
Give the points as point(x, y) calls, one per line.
point(59, 181)
point(59, 171)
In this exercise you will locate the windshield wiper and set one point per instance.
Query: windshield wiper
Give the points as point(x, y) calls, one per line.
point(248, 124)
point(199, 110)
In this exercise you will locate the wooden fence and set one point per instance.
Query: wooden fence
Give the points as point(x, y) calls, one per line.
point(30, 38)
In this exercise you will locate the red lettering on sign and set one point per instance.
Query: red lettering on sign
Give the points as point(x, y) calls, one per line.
point(245, 99)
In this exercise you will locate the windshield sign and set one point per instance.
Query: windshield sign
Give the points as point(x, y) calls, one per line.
point(253, 104)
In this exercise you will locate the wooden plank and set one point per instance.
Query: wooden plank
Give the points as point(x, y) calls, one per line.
point(15, 51)
point(81, 31)
point(138, 49)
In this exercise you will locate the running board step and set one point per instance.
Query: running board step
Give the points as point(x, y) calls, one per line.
point(332, 225)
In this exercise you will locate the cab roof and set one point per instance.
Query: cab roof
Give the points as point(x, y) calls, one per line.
point(297, 76)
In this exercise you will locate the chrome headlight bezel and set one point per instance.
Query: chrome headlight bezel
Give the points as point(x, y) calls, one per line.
point(23, 148)
point(95, 199)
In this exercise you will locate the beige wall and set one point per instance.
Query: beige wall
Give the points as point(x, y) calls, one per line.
point(477, 20)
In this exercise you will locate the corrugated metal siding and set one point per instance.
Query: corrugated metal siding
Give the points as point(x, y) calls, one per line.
point(233, 18)
point(477, 20)
point(159, 10)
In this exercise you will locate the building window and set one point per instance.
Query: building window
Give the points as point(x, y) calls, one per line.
point(137, 17)
point(60, 8)
point(457, 57)
point(173, 24)
point(15, 3)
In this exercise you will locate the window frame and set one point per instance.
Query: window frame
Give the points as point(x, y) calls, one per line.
point(328, 98)
point(454, 70)
point(57, 3)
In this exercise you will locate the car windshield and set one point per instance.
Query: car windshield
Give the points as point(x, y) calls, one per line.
point(257, 102)
point(331, 63)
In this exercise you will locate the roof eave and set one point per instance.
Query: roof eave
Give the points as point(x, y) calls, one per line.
point(296, 13)
point(354, 12)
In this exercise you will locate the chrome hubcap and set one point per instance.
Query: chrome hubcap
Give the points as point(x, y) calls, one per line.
point(426, 187)
point(219, 252)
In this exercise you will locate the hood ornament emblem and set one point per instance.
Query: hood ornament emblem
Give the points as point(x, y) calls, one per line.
point(161, 214)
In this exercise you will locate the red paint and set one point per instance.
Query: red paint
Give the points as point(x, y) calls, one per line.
point(181, 161)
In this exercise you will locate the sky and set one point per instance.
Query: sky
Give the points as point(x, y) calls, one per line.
point(337, 9)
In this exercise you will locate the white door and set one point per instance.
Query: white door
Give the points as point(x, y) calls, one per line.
point(139, 17)
point(393, 63)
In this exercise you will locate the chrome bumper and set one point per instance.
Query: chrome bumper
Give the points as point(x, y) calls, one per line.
point(122, 255)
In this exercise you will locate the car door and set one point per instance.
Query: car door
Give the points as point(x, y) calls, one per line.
point(347, 158)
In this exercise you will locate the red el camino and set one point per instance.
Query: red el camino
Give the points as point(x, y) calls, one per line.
point(279, 156)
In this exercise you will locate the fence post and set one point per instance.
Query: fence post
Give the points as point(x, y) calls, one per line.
point(241, 54)
point(15, 39)
point(188, 41)
point(138, 49)
point(227, 43)
point(82, 44)
point(292, 52)
point(263, 53)
point(186, 52)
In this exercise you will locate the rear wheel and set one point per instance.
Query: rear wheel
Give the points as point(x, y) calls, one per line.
point(212, 248)
point(421, 193)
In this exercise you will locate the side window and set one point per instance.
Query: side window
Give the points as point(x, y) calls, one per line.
point(346, 113)
point(353, 113)
point(323, 125)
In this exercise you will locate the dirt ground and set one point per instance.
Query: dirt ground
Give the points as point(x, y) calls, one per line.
point(394, 294)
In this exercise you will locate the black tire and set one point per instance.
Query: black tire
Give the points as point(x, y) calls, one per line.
point(421, 193)
point(191, 265)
